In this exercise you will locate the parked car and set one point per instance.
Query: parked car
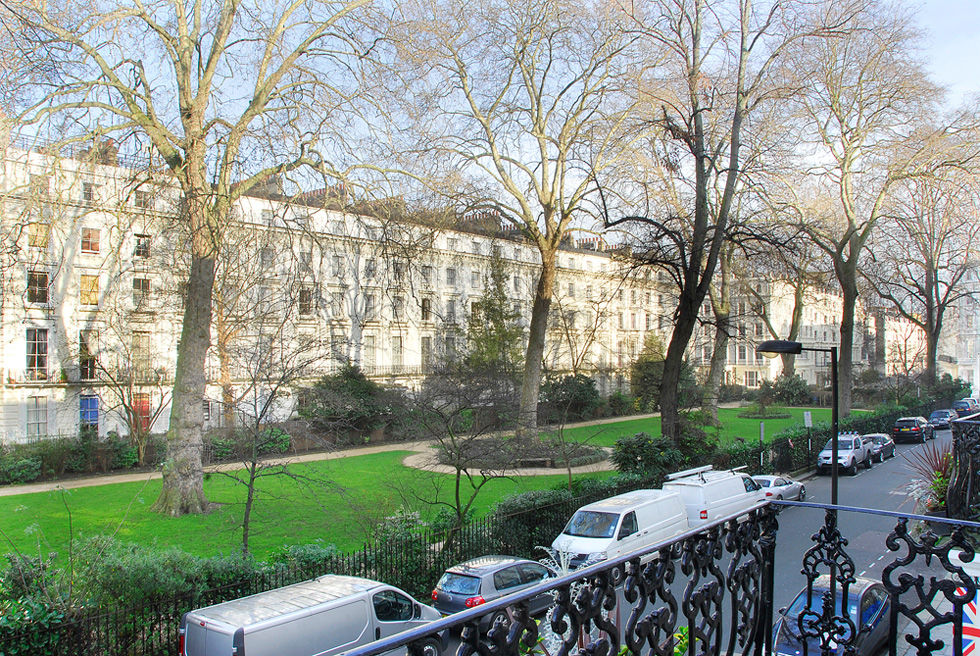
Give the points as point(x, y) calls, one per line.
point(321, 617)
point(867, 604)
point(780, 487)
point(882, 446)
point(912, 429)
point(852, 451)
point(621, 524)
point(486, 578)
point(941, 418)
point(966, 407)
point(709, 495)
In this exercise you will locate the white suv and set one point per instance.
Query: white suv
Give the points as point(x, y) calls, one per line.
point(852, 450)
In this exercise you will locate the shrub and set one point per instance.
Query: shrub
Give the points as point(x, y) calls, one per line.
point(645, 455)
point(572, 398)
point(349, 401)
point(791, 390)
point(620, 404)
point(15, 468)
point(526, 520)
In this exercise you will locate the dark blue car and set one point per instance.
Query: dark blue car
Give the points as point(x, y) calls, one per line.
point(867, 607)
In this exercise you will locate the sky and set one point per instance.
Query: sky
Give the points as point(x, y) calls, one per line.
point(952, 44)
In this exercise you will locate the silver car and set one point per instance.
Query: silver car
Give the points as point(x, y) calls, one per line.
point(486, 578)
point(780, 487)
point(852, 451)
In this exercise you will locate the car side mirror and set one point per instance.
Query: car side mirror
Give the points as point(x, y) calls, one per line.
point(416, 611)
point(782, 611)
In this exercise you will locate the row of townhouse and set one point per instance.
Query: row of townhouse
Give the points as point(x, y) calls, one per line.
point(884, 341)
point(93, 263)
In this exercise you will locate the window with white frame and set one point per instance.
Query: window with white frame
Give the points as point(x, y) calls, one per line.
point(451, 277)
point(37, 416)
point(91, 240)
point(141, 294)
point(141, 354)
point(88, 412)
point(37, 353)
point(307, 301)
point(37, 287)
point(87, 359)
point(142, 248)
point(38, 235)
point(397, 352)
point(88, 290)
point(143, 199)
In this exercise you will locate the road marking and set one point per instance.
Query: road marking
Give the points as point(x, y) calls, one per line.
point(862, 573)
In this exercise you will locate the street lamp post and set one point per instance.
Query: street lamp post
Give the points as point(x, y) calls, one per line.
point(780, 346)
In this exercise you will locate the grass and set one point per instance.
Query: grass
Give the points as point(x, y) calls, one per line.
point(337, 502)
point(732, 427)
point(333, 501)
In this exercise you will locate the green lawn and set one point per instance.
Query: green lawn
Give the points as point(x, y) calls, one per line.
point(336, 501)
point(733, 426)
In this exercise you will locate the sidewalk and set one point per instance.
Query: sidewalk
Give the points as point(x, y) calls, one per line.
point(423, 457)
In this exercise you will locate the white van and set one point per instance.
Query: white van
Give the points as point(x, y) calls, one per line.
point(709, 495)
point(621, 524)
point(327, 615)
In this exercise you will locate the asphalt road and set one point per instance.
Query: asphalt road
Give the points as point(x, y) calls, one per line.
point(882, 487)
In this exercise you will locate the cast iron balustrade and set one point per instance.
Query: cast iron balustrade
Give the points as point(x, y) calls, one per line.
point(726, 570)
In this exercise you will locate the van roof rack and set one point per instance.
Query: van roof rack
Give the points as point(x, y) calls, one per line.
point(739, 468)
point(689, 472)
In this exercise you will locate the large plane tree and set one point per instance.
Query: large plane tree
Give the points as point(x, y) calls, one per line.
point(224, 94)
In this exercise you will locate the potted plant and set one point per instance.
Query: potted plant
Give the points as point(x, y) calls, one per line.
point(933, 466)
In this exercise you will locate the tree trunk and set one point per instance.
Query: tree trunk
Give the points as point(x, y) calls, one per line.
point(719, 357)
point(183, 476)
point(249, 500)
point(846, 358)
point(932, 348)
point(679, 339)
point(527, 421)
point(721, 306)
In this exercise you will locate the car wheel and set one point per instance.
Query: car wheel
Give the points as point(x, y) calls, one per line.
point(802, 493)
point(431, 647)
point(853, 468)
point(867, 463)
point(500, 615)
point(779, 497)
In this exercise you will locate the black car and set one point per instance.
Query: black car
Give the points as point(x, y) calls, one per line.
point(965, 407)
point(867, 608)
point(486, 578)
point(912, 429)
point(941, 418)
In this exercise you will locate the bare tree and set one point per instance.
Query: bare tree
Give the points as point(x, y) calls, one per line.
point(710, 68)
point(867, 118)
point(522, 102)
point(217, 93)
point(270, 358)
point(926, 247)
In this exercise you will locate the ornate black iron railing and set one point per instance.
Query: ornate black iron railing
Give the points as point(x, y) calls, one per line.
point(711, 592)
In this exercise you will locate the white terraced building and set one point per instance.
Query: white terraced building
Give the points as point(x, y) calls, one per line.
point(92, 263)
point(92, 273)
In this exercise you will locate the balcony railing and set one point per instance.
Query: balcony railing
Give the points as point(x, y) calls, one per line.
point(714, 588)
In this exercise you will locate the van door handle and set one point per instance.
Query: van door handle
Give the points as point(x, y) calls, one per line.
point(377, 633)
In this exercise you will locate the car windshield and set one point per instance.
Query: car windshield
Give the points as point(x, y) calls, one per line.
point(459, 583)
point(764, 482)
point(938, 414)
point(800, 602)
point(880, 439)
point(592, 524)
point(842, 444)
